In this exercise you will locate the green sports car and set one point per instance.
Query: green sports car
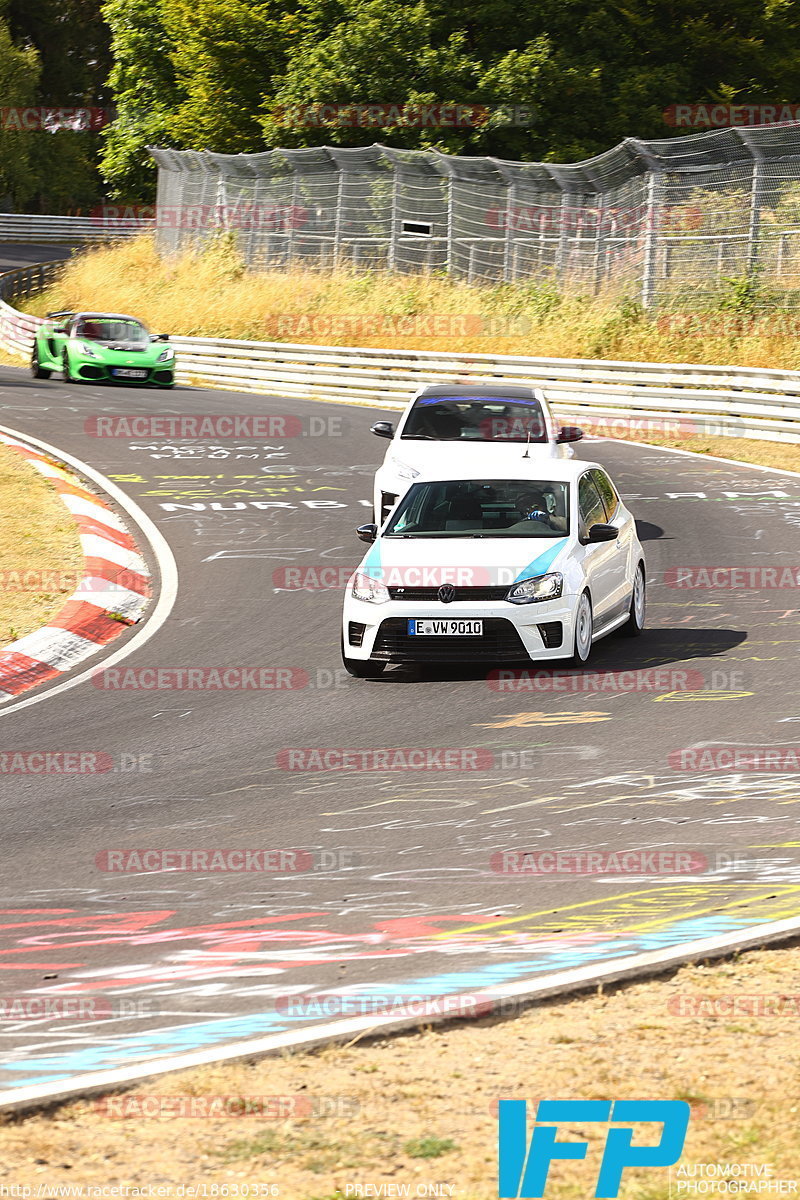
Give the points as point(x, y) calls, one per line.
point(101, 348)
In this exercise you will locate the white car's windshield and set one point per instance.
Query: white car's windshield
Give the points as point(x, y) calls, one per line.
point(103, 329)
point(505, 508)
point(476, 418)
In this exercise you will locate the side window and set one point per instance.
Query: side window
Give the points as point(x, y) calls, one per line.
point(591, 507)
point(606, 489)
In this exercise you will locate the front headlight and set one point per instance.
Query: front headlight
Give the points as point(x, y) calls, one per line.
point(404, 470)
point(88, 349)
point(541, 587)
point(165, 354)
point(371, 590)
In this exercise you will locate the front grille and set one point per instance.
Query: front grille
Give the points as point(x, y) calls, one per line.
point(91, 372)
point(499, 642)
point(462, 593)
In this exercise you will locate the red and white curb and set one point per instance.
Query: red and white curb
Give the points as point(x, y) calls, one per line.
point(112, 594)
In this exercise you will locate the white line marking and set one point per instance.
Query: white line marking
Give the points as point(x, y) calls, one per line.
point(158, 544)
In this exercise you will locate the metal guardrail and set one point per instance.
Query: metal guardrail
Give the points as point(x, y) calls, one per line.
point(736, 401)
point(32, 227)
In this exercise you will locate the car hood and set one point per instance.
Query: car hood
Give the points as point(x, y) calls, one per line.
point(465, 561)
point(427, 457)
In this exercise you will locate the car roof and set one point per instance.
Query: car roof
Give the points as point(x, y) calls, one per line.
point(488, 391)
point(98, 316)
point(534, 470)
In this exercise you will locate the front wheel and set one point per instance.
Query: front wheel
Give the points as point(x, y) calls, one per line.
point(68, 377)
point(634, 625)
point(583, 632)
point(36, 371)
point(362, 668)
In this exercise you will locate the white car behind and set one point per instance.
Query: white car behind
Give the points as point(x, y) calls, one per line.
point(444, 423)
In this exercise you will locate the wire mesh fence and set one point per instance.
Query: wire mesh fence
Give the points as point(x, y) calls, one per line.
point(672, 222)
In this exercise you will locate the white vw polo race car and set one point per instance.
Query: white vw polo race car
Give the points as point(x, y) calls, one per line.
point(535, 562)
point(445, 422)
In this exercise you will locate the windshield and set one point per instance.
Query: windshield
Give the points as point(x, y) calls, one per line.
point(103, 329)
point(505, 508)
point(477, 419)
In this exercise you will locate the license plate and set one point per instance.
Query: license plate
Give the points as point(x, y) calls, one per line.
point(128, 373)
point(445, 627)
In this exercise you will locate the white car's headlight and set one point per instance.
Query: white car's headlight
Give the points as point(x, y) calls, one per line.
point(540, 587)
point(165, 354)
point(404, 470)
point(88, 349)
point(371, 590)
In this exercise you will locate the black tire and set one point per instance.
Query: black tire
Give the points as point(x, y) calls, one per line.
point(362, 668)
point(36, 371)
point(634, 626)
point(582, 643)
point(68, 378)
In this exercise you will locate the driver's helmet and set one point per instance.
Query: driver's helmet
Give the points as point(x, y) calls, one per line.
point(533, 505)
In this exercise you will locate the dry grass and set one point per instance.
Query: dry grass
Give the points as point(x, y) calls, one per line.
point(213, 295)
point(40, 552)
point(433, 1093)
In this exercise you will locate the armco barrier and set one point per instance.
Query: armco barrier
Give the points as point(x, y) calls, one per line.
point(30, 227)
point(738, 401)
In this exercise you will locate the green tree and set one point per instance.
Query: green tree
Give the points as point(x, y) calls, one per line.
point(19, 72)
point(146, 95)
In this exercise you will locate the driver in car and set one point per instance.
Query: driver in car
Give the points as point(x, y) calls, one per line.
point(533, 507)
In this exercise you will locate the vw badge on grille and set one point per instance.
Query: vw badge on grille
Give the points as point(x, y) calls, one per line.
point(447, 593)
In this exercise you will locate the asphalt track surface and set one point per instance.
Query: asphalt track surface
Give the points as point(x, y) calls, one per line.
point(403, 899)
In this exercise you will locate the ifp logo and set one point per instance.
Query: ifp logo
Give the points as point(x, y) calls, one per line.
point(524, 1168)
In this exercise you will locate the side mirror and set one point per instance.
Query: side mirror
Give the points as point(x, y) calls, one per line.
point(367, 533)
point(569, 433)
point(602, 533)
point(383, 429)
point(59, 329)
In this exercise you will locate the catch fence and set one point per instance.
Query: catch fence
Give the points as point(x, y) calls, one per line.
point(666, 220)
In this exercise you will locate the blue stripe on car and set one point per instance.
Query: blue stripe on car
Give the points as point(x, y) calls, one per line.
point(540, 564)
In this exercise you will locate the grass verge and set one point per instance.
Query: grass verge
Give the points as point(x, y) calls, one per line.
point(40, 552)
point(420, 1109)
point(213, 295)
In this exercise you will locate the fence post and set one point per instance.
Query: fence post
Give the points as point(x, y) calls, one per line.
point(754, 224)
point(508, 270)
point(337, 227)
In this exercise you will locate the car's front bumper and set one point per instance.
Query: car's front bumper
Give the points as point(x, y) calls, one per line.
point(511, 632)
point(161, 374)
